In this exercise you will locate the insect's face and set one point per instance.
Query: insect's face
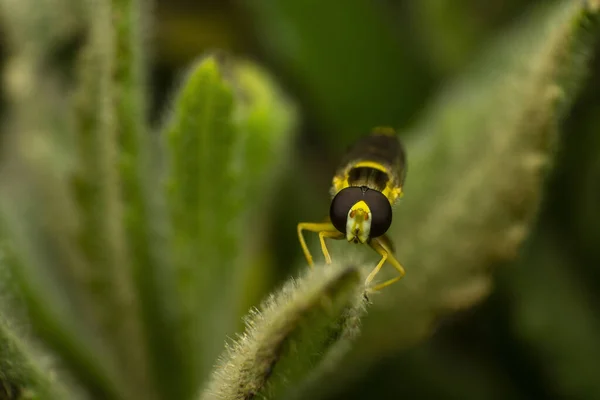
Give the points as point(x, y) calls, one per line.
point(360, 213)
point(358, 223)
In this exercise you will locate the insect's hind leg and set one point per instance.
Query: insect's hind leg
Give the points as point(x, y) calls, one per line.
point(325, 229)
point(386, 255)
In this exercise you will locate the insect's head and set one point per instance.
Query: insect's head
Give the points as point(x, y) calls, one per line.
point(360, 213)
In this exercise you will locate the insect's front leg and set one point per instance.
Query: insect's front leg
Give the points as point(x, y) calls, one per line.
point(325, 228)
point(386, 255)
point(329, 234)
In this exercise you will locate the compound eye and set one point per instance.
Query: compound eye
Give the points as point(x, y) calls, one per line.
point(341, 204)
point(381, 212)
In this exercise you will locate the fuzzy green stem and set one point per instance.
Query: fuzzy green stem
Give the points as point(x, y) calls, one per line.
point(293, 331)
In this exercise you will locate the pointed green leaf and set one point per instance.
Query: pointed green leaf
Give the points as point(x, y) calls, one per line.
point(202, 112)
point(227, 136)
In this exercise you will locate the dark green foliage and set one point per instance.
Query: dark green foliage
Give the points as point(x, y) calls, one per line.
point(129, 253)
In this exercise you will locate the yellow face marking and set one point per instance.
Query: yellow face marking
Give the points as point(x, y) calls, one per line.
point(358, 224)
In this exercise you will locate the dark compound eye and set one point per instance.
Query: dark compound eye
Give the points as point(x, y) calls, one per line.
point(381, 210)
point(341, 205)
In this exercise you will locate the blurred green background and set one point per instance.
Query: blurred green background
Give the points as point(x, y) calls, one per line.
point(352, 65)
point(355, 64)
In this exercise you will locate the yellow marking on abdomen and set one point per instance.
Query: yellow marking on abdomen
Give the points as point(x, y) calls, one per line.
point(370, 164)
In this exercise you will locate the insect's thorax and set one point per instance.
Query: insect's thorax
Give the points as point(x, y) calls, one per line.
point(376, 161)
point(370, 174)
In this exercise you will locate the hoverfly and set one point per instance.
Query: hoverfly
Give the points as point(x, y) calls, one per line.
point(367, 184)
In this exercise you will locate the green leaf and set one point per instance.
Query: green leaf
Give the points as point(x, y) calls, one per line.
point(22, 375)
point(476, 169)
point(554, 317)
point(228, 136)
point(478, 160)
point(578, 192)
point(37, 211)
point(100, 186)
point(64, 209)
point(141, 195)
point(292, 332)
point(40, 231)
point(348, 66)
point(449, 32)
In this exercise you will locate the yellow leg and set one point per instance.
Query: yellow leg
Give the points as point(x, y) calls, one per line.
point(376, 269)
point(325, 229)
point(386, 255)
point(329, 234)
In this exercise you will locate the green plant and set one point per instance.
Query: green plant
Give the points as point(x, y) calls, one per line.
point(126, 257)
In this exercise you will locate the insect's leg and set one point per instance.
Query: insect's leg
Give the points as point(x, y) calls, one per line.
point(387, 244)
point(312, 227)
point(385, 256)
point(329, 234)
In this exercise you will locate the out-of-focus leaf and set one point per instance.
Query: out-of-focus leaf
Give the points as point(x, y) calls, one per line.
point(22, 374)
point(62, 198)
point(433, 372)
point(184, 32)
point(40, 28)
point(124, 45)
point(578, 186)
point(477, 162)
point(350, 64)
point(451, 31)
point(228, 136)
point(108, 114)
point(554, 317)
point(52, 273)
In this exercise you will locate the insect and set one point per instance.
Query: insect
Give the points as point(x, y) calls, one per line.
point(367, 184)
